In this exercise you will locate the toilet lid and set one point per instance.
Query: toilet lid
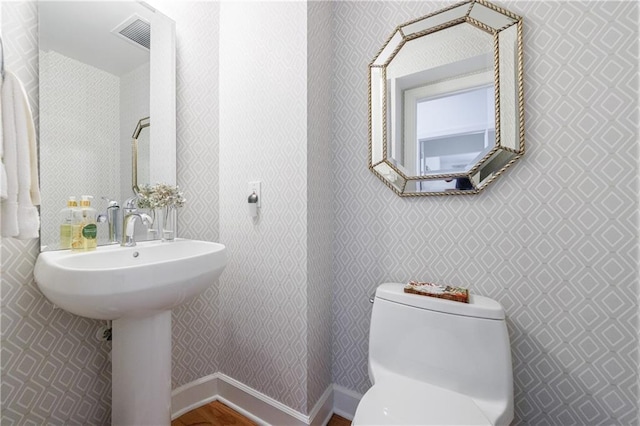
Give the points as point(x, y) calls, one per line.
point(408, 402)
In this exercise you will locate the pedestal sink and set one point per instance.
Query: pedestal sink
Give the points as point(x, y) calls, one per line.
point(136, 287)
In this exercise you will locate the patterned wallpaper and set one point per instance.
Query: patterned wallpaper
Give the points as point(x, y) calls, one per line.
point(559, 255)
point(555, 240)
point(200, 325)
point(79, 129)
point(263, 136)
point(319, 195)
point(54, 370)
point(195, 324)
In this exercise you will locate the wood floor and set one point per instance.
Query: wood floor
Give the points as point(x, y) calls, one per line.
point(218, 414)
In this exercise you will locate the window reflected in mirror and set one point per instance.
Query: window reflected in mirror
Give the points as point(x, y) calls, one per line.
point(446, 98)
point(452, 131)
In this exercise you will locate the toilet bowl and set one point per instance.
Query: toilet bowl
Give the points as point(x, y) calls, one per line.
point(436, 362)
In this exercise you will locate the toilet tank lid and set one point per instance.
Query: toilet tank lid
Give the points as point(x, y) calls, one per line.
point(478, 306)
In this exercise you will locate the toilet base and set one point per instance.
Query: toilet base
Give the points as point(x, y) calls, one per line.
point(409, 402)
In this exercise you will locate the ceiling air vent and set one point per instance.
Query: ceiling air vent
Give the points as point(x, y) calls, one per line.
point(135, 30)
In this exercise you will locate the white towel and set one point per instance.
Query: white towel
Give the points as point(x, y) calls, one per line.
point(3, 172)
point(20, 217)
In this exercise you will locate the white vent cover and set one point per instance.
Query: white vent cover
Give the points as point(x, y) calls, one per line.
point(135, 30)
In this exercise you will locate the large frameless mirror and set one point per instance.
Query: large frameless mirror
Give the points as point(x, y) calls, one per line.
point(446, 101)
point(104, 67)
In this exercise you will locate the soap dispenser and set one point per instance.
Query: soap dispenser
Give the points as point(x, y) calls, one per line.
point(68, 216)
point(85, 235)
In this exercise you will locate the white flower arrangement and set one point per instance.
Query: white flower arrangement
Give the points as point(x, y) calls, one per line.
point(160, 195)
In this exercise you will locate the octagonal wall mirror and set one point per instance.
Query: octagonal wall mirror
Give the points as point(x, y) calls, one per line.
point(446, 108)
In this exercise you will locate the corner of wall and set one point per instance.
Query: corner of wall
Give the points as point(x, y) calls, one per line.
point(319, 200)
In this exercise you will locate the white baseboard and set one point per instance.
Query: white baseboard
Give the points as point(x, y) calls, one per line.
point(247, 401)
point(322, 411)
point(193, 395)
point(345, 401)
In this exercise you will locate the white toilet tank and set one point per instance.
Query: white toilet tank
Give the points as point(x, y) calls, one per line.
point(456, 346)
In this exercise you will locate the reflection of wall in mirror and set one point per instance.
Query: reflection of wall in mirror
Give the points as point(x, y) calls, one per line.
point(134, 92)
point(79, 107)
point(162, 100)
point(134, 105)
point(444, 47)
point(82, 108)
point(509, 124)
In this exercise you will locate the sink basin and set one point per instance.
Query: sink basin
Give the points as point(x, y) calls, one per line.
point(114, 282)
point(136, 287)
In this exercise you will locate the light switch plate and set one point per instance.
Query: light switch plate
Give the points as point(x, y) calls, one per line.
point(255, 186)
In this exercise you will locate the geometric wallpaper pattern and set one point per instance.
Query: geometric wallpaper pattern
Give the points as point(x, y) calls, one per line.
point(263, 136)
point(319, 195)
point(87, 110)
point(195, 327)
point(555, 239)
point(54, 370)
point(79, 128)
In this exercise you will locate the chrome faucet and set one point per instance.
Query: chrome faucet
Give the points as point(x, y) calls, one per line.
point(130, 214)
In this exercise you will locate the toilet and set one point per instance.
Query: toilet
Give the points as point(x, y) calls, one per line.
point(437, 362)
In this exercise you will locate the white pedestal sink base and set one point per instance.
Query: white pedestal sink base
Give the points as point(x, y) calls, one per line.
point(141, 371)
point(136, 288)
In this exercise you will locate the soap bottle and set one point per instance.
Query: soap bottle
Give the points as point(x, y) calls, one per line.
point(67, 217)
point(85, 234)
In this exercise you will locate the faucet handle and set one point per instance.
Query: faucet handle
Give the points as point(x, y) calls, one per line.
point(110, 202)
point(131, 203)
point(146, 219)
point(101, 218)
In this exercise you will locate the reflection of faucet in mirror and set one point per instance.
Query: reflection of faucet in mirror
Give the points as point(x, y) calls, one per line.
point(111, 217)
point(130, 214)
point(143, 123)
